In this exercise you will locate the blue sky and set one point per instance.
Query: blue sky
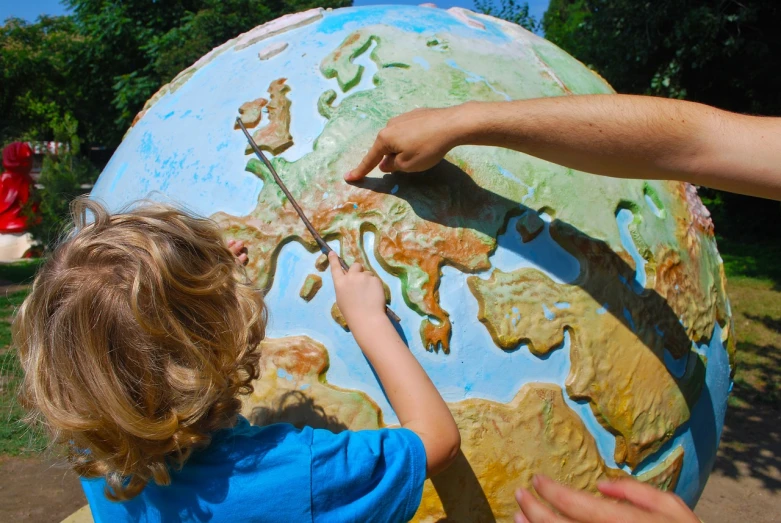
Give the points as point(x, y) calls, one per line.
point(31, 9)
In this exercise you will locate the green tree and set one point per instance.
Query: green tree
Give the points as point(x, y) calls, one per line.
point(82, 78)
point(63, 177)
point(36, 68)
point(723, 53)
point(719, 52)
point(133, 47)
point(510, 10)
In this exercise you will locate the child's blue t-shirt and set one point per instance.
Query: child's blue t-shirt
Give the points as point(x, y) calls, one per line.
point(278, 474)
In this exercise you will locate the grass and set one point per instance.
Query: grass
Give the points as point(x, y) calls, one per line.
point(21, 271)
point(759, 261)
point(16, 437)
point(754, 286)
point(756, 307)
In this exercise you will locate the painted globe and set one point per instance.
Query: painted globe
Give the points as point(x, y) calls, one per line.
point(577, 325)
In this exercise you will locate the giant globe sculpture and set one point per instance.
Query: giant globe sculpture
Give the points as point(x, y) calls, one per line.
point(577, 325)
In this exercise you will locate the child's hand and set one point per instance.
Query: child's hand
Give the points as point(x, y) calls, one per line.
point(359, 294)
point(642, 504)
point(238, 250)
point(414, 398)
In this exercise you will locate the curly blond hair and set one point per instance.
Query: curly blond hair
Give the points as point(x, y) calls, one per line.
point(139, 334)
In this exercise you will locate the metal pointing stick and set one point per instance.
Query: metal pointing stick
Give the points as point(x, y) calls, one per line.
point(324, 247)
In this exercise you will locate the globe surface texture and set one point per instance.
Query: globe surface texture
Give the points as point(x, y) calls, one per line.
point(577, 325)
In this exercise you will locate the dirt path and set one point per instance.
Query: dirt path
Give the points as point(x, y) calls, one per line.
point(749, 490)
point(32, 490)
point(746, 482)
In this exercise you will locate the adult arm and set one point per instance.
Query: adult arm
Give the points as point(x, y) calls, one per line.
point(614, 135)
point(413, 396)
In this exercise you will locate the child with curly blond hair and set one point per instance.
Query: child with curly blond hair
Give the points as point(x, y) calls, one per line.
point(137, 339)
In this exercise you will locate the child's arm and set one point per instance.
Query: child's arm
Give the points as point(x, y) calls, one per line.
point(417, 402)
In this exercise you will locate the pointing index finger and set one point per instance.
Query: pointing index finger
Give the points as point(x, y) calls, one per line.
point(369, 162)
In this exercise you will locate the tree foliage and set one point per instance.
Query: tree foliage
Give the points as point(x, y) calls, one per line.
point(100, 64)
point(723, 53)
point(511, 10)
point(63, 177)
point(82, 78)
point(133, 47)
point(36, 69)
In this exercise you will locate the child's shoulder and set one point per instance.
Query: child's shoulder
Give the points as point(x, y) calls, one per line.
point(247, 438)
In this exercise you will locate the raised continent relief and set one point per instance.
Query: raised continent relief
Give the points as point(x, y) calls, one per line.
point(337, 316)
point(502, 444)
point(421, 226)
point(503, 447)
point(311, 285)
point(292, 389)
point(339, 64)
point(251, 112)
point(618, 338)
point(274, 137)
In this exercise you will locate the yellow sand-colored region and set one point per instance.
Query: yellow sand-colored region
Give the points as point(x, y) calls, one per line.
point(617, 338)
point(292, 389)
point(505, 445)
point(312, 284)
point(251, 112)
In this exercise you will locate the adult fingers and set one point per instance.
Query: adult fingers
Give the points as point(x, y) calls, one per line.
point(639, 494)
point(336, 268)
point(582, 506)
point(370, 161)
point(388, 163)
point(533, 511)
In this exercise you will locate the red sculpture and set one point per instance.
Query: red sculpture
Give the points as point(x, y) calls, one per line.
point(15, 183)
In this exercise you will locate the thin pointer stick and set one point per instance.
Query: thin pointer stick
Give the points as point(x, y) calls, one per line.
point(324, 247)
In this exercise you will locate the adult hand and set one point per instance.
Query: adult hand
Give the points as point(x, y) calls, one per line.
point(641, 504)
point(359, 294)
point(238, 250)
point(413, 142)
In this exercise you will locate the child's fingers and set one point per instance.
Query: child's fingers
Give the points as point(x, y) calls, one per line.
point(336, 267)
point(235, 246)
point(355, 268)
